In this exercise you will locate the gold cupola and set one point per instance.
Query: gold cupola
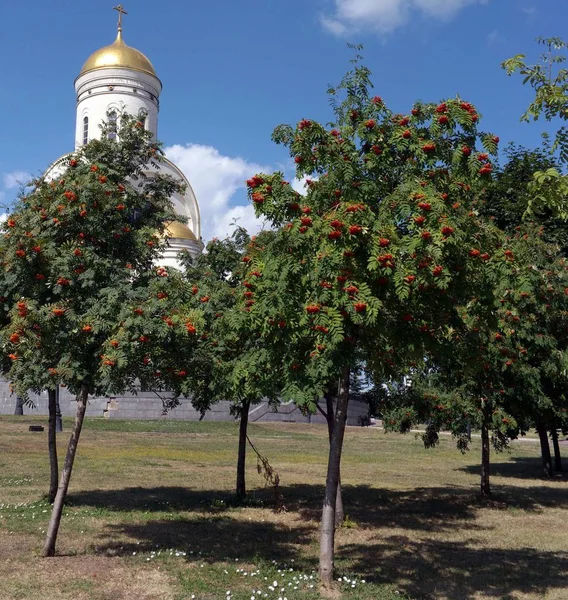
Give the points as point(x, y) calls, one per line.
point(118, 55)
point(175, 229)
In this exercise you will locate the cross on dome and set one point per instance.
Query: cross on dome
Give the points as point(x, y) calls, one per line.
point(121, 12)
point(118, 54)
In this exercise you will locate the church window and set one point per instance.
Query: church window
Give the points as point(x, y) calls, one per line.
point(112, 126)
point(142, 117)
point(85, 130)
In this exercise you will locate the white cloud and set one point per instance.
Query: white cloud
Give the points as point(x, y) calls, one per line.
point(299, 185)
point(492, 37)
point(383, 16)
point(216, 179)
point(334, 26)
point(15, 179)
point(3, 217)
point(242, 215)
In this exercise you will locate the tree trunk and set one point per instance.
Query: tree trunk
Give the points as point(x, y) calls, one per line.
point(241, 461)
point(339, 509)
point(55, 520)
point(556, 446)
point(485, 453)
point(58, 419)
point(19, 407)
point(52, 444)
point(327, 537)
point(545, 451)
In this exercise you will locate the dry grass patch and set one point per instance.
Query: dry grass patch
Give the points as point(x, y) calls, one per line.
point(150, 516)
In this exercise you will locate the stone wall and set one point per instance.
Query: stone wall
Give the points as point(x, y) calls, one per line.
point(147, 405)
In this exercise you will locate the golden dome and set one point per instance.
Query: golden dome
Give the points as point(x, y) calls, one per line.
point(175, 229)
point(118, 54)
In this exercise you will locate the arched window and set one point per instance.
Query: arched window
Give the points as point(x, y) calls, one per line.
point(142, 117)
point(85, 130)
point(112, 125)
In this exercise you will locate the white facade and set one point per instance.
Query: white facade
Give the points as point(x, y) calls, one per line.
point(117, 79)
point(119, 89)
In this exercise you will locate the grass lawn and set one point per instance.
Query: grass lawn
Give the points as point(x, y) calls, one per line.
point(149, 517)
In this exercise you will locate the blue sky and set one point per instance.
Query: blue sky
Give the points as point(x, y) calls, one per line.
point(232, 71)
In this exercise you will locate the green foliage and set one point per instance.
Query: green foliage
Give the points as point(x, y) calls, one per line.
point(508, 197)
point(549, 81)
point(503, 373)
point(370, 264)
point(550, 84)
point(230, 361)
point(77, 251)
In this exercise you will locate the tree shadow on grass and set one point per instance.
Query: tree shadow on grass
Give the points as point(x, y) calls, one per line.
point(419, 509)
point(426, 508)
point(428, 569)
point(436, 569)
point(208, 540)
point(519, 467)
point(158, 499)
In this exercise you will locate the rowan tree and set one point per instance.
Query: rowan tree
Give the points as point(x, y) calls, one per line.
point(380, 244)
point(500, 374)
point(230, 361)
point(76, 249)
point(507, 201)
point(5, 366)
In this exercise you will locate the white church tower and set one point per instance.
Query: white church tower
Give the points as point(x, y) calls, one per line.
point(115, 79)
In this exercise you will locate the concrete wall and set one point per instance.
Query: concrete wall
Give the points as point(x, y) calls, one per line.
point(147, 405)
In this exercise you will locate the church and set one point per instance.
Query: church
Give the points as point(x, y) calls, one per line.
point(118, 78)
point(115, 79)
